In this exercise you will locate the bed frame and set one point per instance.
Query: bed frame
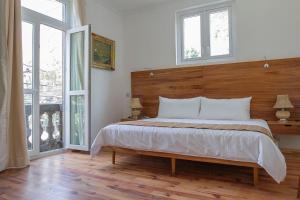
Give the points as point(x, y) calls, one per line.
point(174, 157)
point(232, 80)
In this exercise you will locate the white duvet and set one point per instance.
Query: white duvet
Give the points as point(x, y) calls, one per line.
point(223, 144)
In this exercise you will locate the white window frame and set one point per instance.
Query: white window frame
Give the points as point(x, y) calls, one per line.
point(204, 12)
point(37, 19)
point(85, 92)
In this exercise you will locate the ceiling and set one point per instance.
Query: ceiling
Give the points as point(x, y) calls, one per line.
point(125, 6)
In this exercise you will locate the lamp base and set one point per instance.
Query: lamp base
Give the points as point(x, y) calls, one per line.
point(283, 115)
point(136, 113)
point(283, 120)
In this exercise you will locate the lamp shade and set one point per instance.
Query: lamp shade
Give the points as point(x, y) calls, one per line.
point(136, 103)
point(283, 101)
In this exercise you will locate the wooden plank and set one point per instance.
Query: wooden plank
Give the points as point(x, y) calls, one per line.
point(232, 80)
point(75, 176)
point(183, 157)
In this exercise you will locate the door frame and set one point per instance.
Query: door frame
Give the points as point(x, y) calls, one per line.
point(37, 19)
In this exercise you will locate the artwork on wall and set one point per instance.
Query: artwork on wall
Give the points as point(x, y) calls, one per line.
point(103, 52)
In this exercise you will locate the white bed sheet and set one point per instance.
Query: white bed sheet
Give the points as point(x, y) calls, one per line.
point(223, 144)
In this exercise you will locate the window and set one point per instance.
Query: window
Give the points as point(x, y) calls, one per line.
point(192, 37)
point(51, 8)
point(204, 33)
point(43, 33)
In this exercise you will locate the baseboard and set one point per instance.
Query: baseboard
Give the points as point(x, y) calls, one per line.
point(50, 153)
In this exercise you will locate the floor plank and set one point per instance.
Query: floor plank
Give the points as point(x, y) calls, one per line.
point(74, 176)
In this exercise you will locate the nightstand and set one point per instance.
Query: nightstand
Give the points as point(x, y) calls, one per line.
point(127, 119)
point(131, 119)
point(285, 128)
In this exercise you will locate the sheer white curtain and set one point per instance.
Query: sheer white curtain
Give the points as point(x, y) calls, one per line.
point(3, 140)
point(77, 44)
point(77, 72)
point(78, 13)
point(13, 150)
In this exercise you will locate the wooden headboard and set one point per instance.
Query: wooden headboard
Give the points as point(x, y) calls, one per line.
point(234, 80)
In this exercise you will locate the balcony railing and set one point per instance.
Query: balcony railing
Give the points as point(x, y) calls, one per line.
point(50, 126)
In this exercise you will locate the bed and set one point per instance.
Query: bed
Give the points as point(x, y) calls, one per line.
point(247, 148)
point(231, 80)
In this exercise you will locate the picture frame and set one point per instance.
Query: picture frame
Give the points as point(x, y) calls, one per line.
point(103, 52)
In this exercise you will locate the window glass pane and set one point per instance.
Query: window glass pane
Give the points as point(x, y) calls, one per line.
point(77, 120)
point(77, 61)
point(28, 120)
point(51, 88)
point(51, 65)
point(192, 37)
point(27, 44)
point(51, 8)
point(219, 33)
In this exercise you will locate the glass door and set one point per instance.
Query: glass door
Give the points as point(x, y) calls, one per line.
point(44, 28)
point(43, 86)
point(78, 89)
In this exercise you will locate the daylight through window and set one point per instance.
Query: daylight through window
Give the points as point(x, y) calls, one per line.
point(204, 33)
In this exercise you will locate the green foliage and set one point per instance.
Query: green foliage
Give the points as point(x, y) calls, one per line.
point(191, 53)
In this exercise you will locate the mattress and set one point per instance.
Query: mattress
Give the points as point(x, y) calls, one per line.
point(247, 146)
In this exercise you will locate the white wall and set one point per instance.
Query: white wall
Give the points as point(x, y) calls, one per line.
point(263, 28)
point(108, 88)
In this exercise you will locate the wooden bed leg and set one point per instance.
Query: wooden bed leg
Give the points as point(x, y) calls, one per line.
point(173, 164)
point(113, 158)
point(298, 195)
point(255, 175)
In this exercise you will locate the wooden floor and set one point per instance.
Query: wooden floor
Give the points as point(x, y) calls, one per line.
point(74, 176)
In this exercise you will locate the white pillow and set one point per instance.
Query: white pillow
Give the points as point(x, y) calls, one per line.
point(179, 108)
point(225, 109)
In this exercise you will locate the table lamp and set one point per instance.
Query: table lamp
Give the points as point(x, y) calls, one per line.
point(283, 103)
point(136, 108)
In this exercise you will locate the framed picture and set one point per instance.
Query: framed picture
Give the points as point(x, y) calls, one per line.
point(103, 52)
